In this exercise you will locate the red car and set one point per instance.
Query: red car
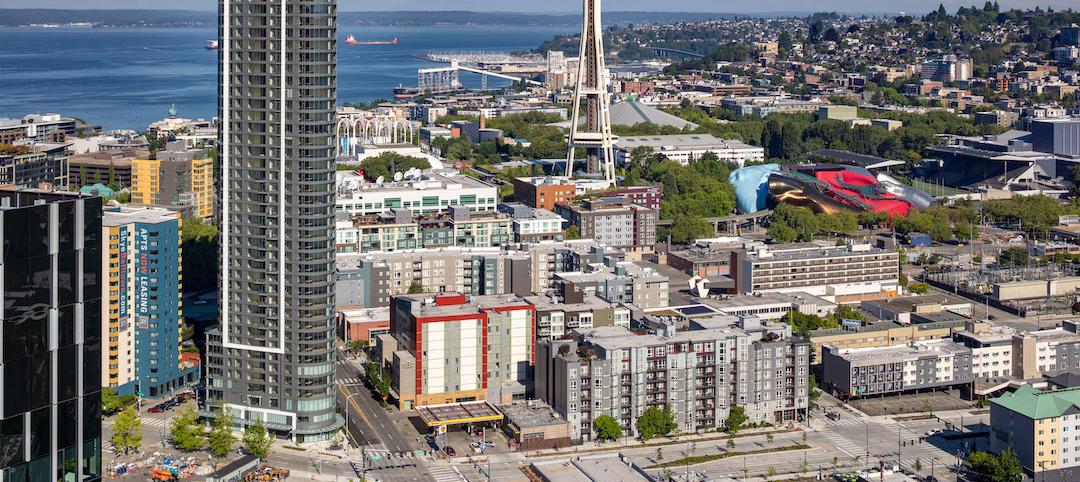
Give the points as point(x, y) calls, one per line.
point(156, 409)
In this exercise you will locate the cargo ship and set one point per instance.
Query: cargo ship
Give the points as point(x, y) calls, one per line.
point(350, 40)
point(406, 92)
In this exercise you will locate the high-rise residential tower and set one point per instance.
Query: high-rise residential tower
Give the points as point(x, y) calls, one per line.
point(271, 358)
point(591, 88)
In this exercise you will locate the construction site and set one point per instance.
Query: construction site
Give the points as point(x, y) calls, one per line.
point(1025, 291)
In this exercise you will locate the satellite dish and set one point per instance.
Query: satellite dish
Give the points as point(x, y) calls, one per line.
point(379, 180)
point(397, 176)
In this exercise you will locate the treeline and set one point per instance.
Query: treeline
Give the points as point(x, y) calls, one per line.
point(545, 141)
point(691, 193)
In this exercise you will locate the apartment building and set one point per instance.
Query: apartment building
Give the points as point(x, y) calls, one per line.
point(544, 192)
point(991, 349)
point(881, 335)
point(949, 68)
point(1042, 428)
point(425, 192)
point(452, 347)
point(859, 372)
point(143, 262)
point(623, 282)
point(699, 371)
point(370, 279)
point(614, 221)
point(843, 274)
point(401, 229)
point(178, 177)
point(533, 224)
point(34, 165)
point(1045, 351)
point(648, 196)
point(558, 314)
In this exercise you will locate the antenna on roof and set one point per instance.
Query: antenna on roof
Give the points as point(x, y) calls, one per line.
point(398, 176)
point(380, 180)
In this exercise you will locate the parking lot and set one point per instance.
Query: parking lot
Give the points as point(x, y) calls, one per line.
point(912, 403)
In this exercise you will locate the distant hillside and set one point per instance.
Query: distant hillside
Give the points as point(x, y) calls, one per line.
point(12, 17)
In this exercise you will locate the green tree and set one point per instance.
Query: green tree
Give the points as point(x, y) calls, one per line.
point(735, 419)
point(221, 435)
point(918, 464)
point(918, 288)
point(772, 472)
point(792, 223)
point(607, 428)
point(1013, 257)
point(257, 441)
point(995, 468)
point(386, 164)
point(111, 402)
point(769, 437)
point(112, 173)
point(127, 431)
point(730, 443)
point(655, 422)
point(687, 229)
point(82, 174)
point(185, 432)
point(415, 287)
point(573, 232)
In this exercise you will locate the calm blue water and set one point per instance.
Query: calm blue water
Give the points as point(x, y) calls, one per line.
point(127, 78)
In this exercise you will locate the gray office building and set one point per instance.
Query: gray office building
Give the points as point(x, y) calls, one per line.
point(272, 358)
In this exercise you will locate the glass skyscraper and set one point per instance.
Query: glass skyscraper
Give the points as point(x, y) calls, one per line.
point(50, 366)
point(272, 356)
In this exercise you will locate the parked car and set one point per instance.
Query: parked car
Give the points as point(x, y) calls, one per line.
point(156, 409)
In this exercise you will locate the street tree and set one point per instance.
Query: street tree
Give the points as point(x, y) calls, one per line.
point(415, 287)
point(257, 441)
point(735, 419)
point(221, 436)
point(127, 431)
point(607, 428)
point(655, 422)
point(111, 402)
point(185, 432)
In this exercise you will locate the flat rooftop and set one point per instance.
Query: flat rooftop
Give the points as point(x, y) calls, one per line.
point(445, 304)
point(348, 182)
point(533, 413)
point(769, 298)
point(917, 350)
point(680, 141)
point(908, 304)
point(458, 413)
point(806, 251)
point(126, 214)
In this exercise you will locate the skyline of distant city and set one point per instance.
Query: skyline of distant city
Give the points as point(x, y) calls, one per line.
point(569, 6)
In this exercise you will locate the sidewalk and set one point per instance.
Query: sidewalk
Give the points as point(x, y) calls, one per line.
point(633, 443)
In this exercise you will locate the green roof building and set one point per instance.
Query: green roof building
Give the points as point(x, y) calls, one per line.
point(1042, 427)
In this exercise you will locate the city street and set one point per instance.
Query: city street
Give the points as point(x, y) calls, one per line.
point(369, 424)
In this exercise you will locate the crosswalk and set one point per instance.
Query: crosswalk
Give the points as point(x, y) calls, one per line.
point(349, 381)
point(845, 444)
point(846, 422)
point(444, 472)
